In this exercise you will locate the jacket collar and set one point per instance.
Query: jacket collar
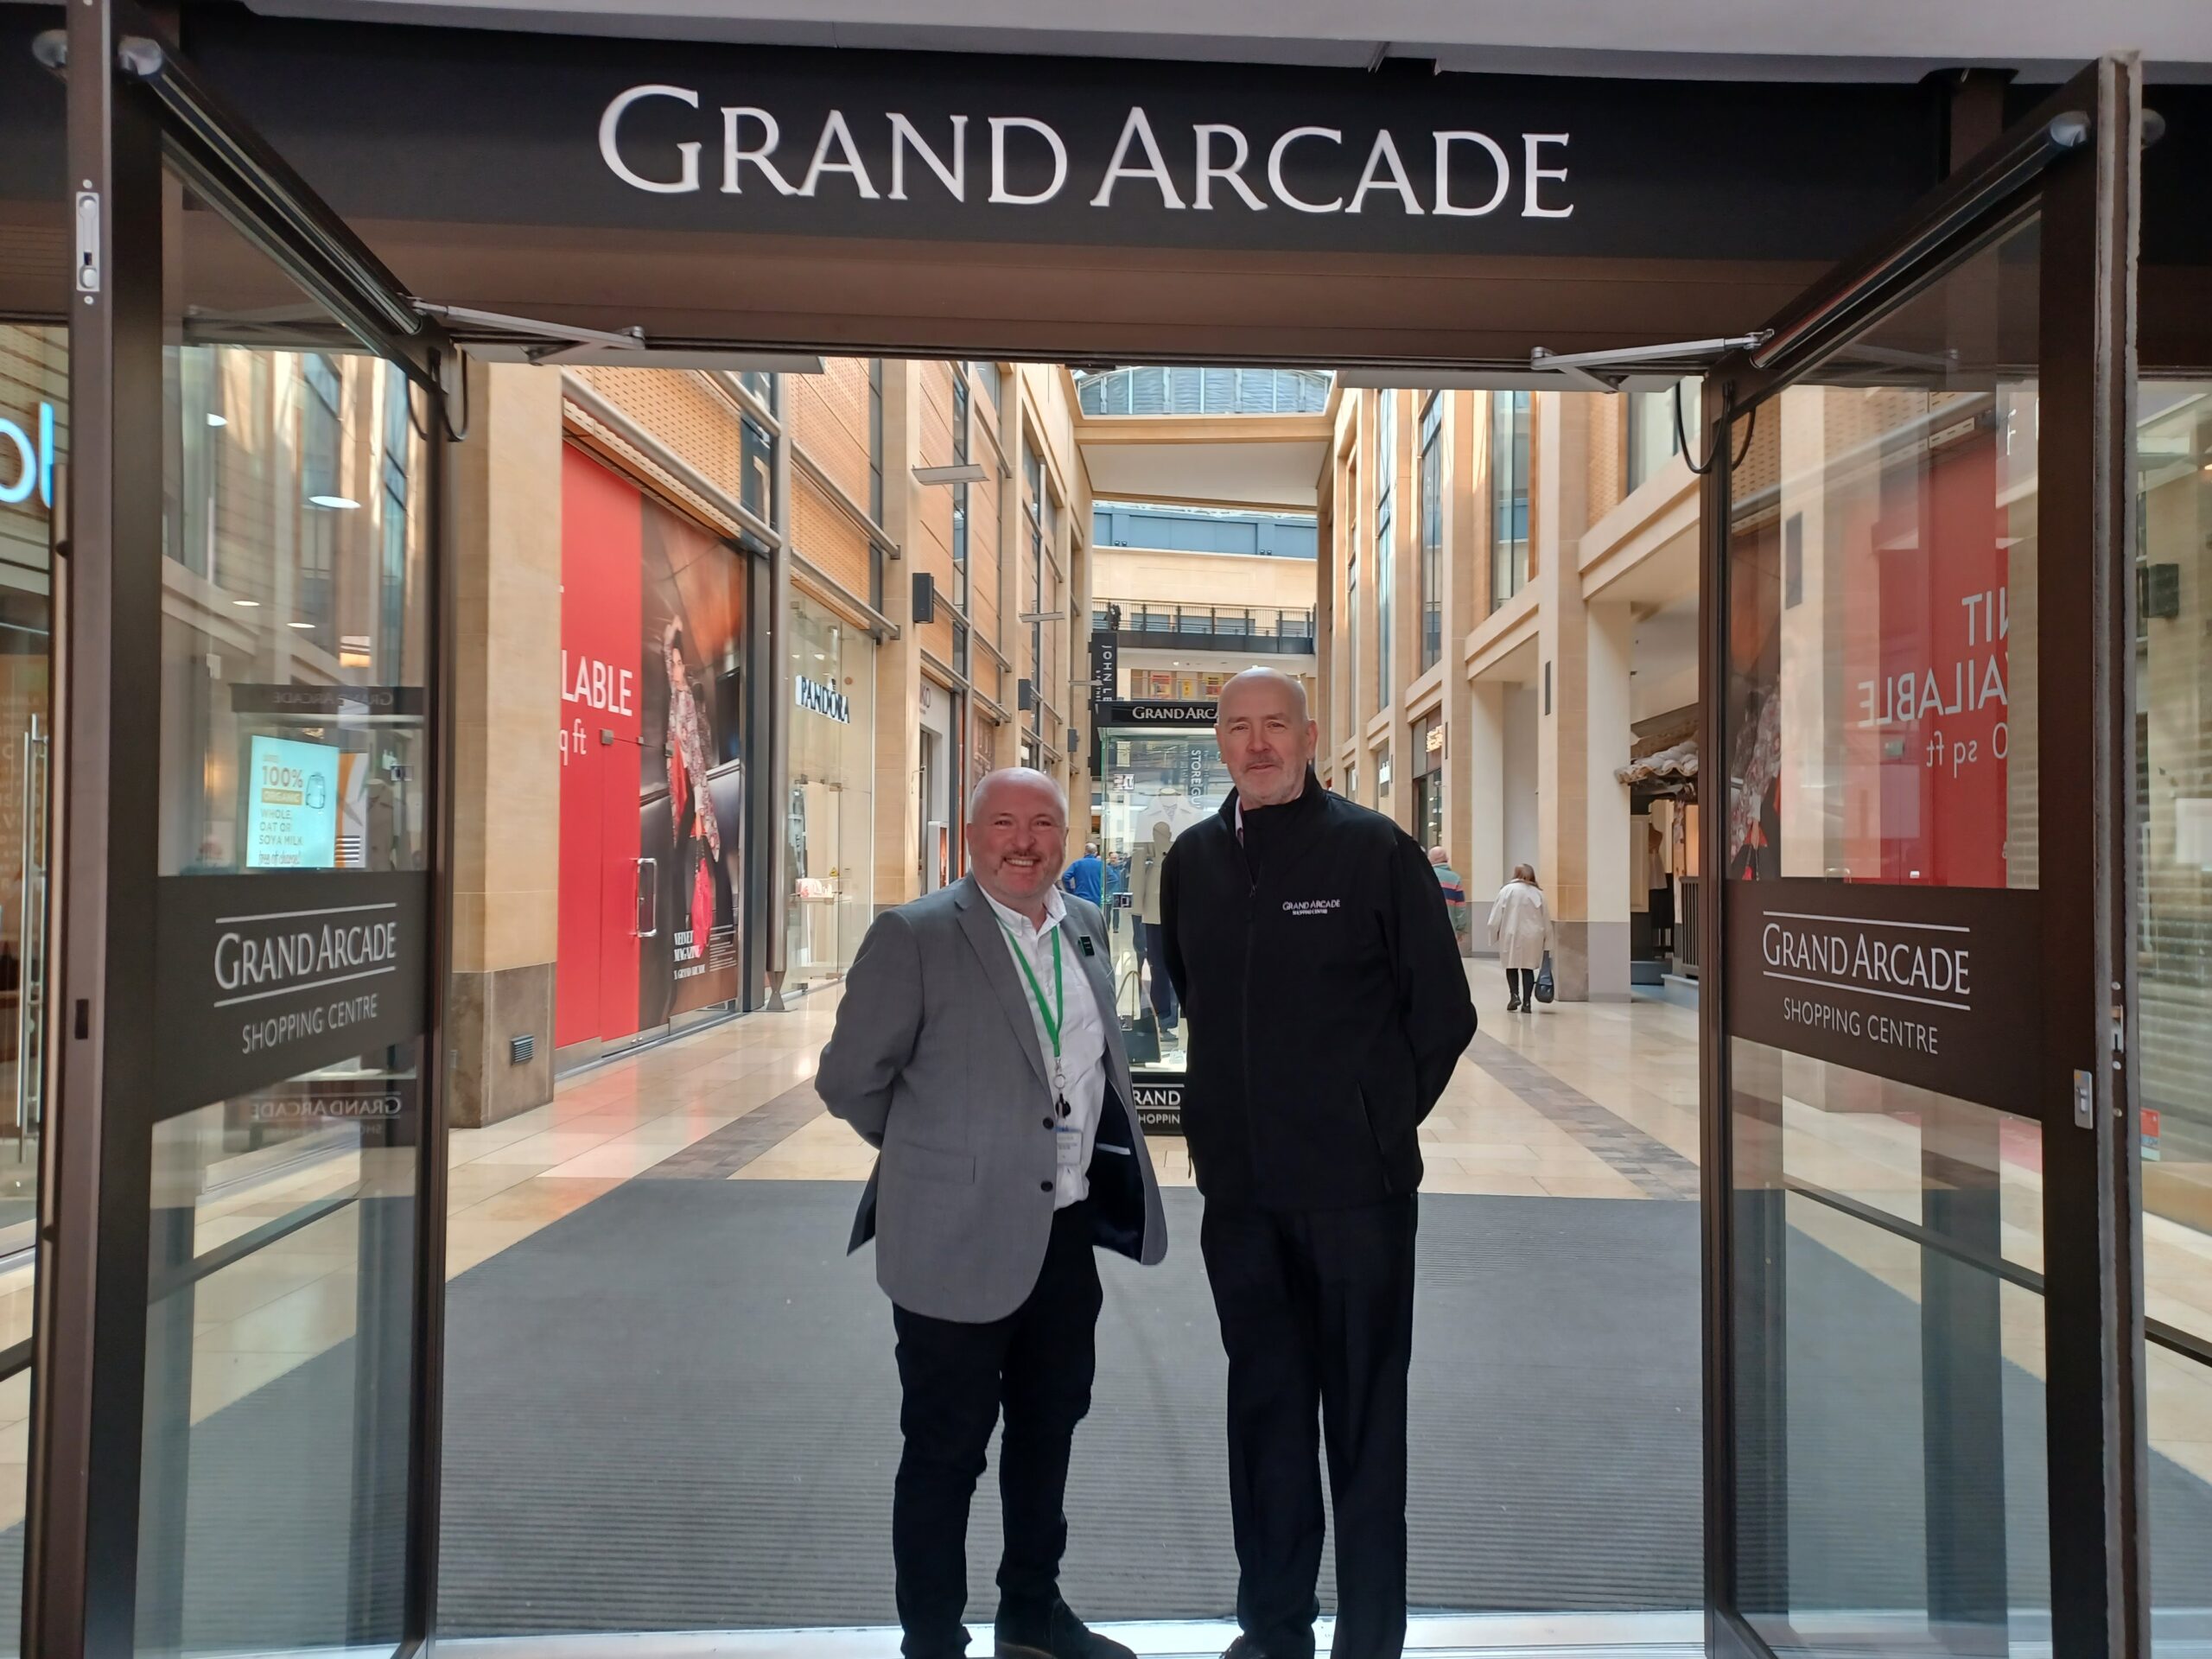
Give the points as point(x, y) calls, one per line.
point(1309, 800)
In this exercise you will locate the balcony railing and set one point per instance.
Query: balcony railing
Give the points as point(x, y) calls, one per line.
point(1207, 622)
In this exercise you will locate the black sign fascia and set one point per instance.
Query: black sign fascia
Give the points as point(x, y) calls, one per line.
point(399, 122)
point(1921, 985)
point(263, 977)
point(331, 701)
point(1166, 713)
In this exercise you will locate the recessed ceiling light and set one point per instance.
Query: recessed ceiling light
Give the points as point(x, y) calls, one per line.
point(335, 502)
point(217, 420)
point(247, 604)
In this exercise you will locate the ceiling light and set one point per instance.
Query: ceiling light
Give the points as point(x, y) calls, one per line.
point(217, 420)
point(299, 625)
point(335, 502)
point(247, 604)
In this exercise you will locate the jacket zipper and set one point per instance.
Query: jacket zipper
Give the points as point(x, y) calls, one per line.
point(1244, 1013)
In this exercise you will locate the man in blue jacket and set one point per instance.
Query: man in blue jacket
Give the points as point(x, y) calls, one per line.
point(1308, 941)
point(1086, 877)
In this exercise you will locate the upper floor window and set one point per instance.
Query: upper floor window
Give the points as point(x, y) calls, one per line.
point(960, 493)
point(1509, 495)
point(875, 439)
point(1654, 437)
point(1431, 531)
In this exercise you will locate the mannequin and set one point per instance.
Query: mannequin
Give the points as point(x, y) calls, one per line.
point(1151, 938)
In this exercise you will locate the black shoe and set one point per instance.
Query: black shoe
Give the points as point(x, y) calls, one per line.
point(1513, 1008)
point(1057, 1635)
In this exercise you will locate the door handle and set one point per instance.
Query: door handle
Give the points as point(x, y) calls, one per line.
point(645, 924)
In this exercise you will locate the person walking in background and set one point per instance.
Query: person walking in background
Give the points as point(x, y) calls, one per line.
point(1455, 893)
point(1086, 877)
point(1328, 1008)
point(1520, 928)
point(976, 1048)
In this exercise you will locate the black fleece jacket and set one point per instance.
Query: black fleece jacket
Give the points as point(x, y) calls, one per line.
point(1326, 999)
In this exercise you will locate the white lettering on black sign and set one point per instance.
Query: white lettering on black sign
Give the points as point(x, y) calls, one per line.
point(1926, 962)
point(1208, 166)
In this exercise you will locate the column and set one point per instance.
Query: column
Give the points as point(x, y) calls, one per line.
point(1582, 721)
point(1476, 772)
point(506, 550)
point(898, 671)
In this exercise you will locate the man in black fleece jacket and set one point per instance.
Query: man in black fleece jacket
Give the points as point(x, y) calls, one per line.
point(1327, 1005)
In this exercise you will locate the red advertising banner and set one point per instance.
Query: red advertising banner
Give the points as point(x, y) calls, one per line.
point(653, 620)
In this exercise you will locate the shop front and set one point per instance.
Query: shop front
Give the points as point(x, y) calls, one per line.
point(655, 618)
point(830, 818)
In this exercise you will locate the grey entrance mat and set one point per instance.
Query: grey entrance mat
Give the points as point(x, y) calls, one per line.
point(676, 1408)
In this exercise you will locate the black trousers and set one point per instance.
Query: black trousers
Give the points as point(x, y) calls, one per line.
point(1036, 1366)
point(1163, 989)
point(1317, 1316)
point(1521, 984)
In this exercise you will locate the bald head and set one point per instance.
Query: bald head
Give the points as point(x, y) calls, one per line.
point(1267, 737)
point(1267, 684)
point(1022, 778)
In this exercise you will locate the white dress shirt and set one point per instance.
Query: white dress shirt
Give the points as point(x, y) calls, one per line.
point(1082, 1066)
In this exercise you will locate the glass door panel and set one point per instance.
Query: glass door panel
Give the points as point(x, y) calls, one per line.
point(1882, 542)
point(2172, 820)
point(294, 838)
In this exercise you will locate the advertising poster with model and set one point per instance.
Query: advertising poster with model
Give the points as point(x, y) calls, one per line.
point(652, 628)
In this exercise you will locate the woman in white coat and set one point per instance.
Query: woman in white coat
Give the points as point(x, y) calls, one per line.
point(1519, 927)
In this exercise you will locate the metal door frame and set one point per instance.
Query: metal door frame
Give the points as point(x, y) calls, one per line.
point(2076, 159)
point(140, 113)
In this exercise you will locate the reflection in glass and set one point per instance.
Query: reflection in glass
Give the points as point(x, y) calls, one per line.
point(294, 737)
point(2173, 841)
point(1892, 1473)
point(1153, 785)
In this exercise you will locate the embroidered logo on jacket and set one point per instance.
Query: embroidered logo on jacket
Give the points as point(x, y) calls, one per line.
point(1310, 906)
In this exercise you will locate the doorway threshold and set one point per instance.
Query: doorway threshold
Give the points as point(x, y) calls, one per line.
point(1432, 1635)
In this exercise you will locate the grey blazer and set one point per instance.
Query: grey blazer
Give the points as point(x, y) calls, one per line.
point(935, 1061)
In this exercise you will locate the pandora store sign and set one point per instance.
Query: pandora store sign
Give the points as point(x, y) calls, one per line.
point(1923, 985)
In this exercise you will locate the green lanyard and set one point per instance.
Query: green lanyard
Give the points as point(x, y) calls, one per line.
point(1053, 1016)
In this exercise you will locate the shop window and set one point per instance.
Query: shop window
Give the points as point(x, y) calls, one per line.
point(1509, 495)
point(988, 376)
point(1654, 439)
point(875, 439)
point(757, 469)
point(320, 433)
point(829, 817)
point(1386, 547)
point(1432, 531)
point(960, 455)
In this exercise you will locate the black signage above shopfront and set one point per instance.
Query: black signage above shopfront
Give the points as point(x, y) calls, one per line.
point(1105, 668)
point(398, 122)
point(265, 978)
point(1921, 985)
point(331, 701)
point(1157, 712)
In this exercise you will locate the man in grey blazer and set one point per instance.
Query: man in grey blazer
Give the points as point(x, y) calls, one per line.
point(976, 1047)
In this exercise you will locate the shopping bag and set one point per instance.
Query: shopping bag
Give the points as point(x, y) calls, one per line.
point(1544, 990)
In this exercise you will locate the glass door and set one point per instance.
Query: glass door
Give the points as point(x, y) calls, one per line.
point(1924, 1330)
point(234, 1424)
